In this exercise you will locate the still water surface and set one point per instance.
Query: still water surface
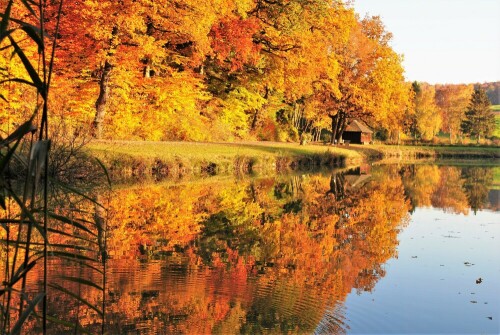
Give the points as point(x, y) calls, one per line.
point(431, 287)
point(392, 249)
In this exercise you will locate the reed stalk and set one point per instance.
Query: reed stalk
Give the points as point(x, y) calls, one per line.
point(28, 217)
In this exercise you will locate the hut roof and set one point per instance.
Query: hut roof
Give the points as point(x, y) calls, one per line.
point(358, 126)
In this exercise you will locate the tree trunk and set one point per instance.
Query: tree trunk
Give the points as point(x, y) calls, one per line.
point(335, 123)
point(341, 126)
point(294, 115)
point(297, 116)
point(256, 114)
point(317, 134)
point(102, 100)
point(337, 186)
point(254, 120)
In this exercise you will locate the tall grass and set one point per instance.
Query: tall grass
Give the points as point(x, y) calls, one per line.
point(34, 232)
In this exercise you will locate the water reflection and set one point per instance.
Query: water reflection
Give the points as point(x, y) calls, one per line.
point(270, 255)
point(454, 189)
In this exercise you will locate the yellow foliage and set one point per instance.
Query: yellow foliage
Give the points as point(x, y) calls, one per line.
point(426, 113)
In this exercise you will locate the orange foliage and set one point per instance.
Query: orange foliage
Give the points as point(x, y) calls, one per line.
point(211, 70)
point(232, 42)
point(450, 195)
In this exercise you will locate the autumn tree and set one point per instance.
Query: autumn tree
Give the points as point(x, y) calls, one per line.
point(479, 119)
point(231, 71)
point(370, 84)
point(395, 98)
point(278, 49)
point(452, 101)
point(130, 54)
point(356, 59)
point(428, 120)
point(221, 69)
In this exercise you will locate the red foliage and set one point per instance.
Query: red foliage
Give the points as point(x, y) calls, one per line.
point(233, 43)
point(76, 49)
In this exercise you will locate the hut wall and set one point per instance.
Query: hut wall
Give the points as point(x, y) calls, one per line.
point(366, 138)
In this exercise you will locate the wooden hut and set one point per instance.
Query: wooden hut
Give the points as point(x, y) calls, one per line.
point(357, 132)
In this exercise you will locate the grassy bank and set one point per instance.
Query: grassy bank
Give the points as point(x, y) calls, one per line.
point(407, 152)
point(159, 160)
point(126, 159)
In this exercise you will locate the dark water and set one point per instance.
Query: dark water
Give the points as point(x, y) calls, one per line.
point(392, 249)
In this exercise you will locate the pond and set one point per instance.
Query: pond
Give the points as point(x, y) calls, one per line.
point(374, 250)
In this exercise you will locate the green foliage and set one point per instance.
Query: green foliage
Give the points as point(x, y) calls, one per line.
point(237, 110)
point(479, 118)
point(496, 133)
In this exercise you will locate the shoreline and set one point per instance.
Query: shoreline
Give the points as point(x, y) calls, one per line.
point(127, 160)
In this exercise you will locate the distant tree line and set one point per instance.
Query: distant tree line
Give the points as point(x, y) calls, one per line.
point(492, 91)
point(457, 110)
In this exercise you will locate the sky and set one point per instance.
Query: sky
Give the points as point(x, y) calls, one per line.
point(442, 41)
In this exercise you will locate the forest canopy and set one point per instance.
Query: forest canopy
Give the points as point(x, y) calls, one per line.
point(226, 70)
point(212, 70)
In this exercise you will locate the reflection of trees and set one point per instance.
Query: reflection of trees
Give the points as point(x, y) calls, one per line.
point(420, 182)
point(477, 182)
point(267, 255)
point(309, 238)
point(236, 257)
point(337, 186)
point(454, 189)
point(75, 278)
point(153, 220)
point(449, 193)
